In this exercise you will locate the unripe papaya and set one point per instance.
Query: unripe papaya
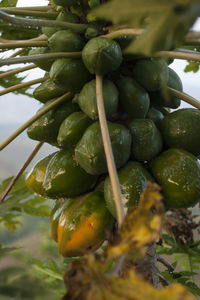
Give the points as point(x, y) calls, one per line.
point(83, 224)
point(147, 139)
point(35, 177)
point(47, 90)
point(65, 178)
point(69, 74)
point(133, 179)
point(133, 98)
point(88, 103)
point(151, 73)
point(72, 129)
point(65, 41)
point(42, 64)
point(46, 127)
point(89, 151)
point(155, 115)
point(101, 55)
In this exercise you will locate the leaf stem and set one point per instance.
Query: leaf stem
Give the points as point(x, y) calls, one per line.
point(27, 12)
point(125, 31)
point(179, 55)
point(108, 152)
point(40, 113)
point(33, 43)
point(16, 71)
point(40, 57)
point(22, 85)
point(40, 8)
point(80, 28)
point(185, 97)
point(16, 53)
point(14, 180)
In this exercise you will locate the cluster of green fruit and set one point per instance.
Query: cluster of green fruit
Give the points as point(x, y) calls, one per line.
point(147, 144)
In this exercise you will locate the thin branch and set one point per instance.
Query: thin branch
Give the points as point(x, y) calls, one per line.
point(22, 85)
point(163, 280)
point(126, 31)
point(33, 119)
point(165, 263)
point(16, 71)
point(80, 28)
point(40, 8)
point(185, 97)
point(109, 153)
point(27, 12)
point(40, 57)
point(41, 37)
point(193, 35)
point(14, 180)
point(16, 53)
point(179, 55)
point(32, 43)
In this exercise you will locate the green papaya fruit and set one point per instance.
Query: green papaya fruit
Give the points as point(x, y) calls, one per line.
point(181, 129)
point(72, 129)
point(151, 73)
point(89, 151)
point(62, 17)
point(65, 178)
point(133, 179)
point(178, 173)
point(101, 55)
point(65, 41)
point(69, 74)
point(134, 100)
point(81, 224)
point(47, 90)
point(42, 64)
point(88, 103)
point(64, 3)
point(54, 219)
point(155, 115)
point(147, 139)
point(169, 100)
point(35, 177)
point(46, 127)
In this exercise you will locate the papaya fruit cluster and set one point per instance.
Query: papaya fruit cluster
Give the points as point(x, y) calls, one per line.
point(148, 142)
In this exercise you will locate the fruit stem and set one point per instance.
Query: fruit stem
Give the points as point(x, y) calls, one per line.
point(108, 152)
point(192, 55)
point(185, 97)
point(126, 31)
point(40, 113)
point(14, 180)
point(16, 71)
point(36, 13)
point(40, 8)
point(40, 57)
point(22, 85)
point(80, 28)
point(11, 45)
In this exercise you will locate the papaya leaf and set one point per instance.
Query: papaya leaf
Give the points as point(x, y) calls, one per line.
point(165, 22)
point(142, 226)
point(192, 66)
point(19, 201)
point(49, 268)
point(84, 280)
point(8, 3)
point(6, 250)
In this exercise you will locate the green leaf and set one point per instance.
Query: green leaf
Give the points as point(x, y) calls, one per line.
point(166, 22)
point(6, 250)
point(50, 268)
point(8, 3)
point(192, 66)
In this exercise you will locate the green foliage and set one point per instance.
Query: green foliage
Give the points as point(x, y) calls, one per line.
point(20, 200)
point(192, 66)
point(166, 22)
point(8, 3)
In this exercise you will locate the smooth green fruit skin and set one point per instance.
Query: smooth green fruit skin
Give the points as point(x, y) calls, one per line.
point(82, 225)
point(134, 100)
point(88, 102)
point(46, 127)
point(64, 178)
point(178, 173)
point(63, 17)
point(147, 139)
point(65, 41)
point(35, 177)
point(54, 219)
point(133, 179)
point(181, 129)
point(101, 55)
point(43, 64)
point(171, 101)
point(47, 90)
point(72, 129)
point(69, 74)
point(64, 3)
point(89, 151)
point(155, 115)
point(151, 73)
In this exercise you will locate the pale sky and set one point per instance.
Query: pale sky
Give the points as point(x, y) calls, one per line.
point(18, 109)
